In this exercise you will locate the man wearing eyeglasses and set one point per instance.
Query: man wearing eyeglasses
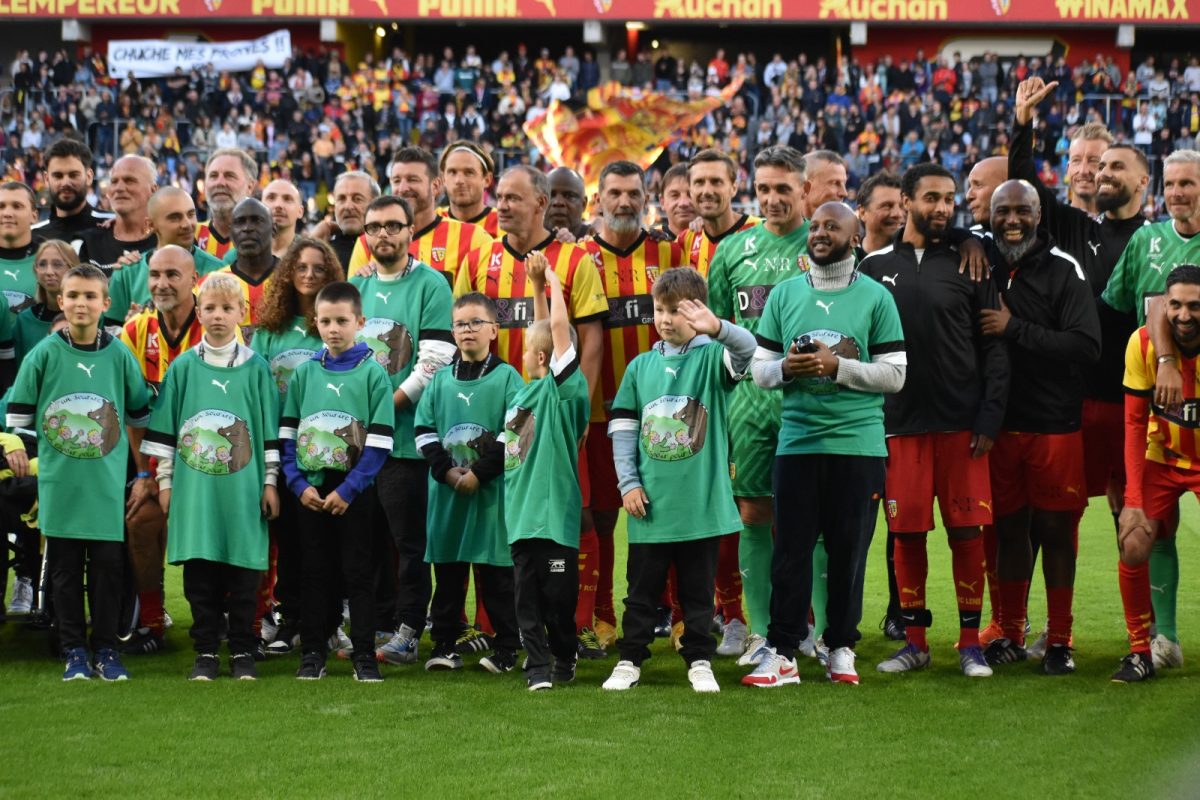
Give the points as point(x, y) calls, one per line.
point(407, 309)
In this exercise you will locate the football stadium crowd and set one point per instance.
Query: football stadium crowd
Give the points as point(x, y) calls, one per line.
point(339, 343)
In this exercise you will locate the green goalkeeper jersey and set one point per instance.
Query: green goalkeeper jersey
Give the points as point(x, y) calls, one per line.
point(1152, 252)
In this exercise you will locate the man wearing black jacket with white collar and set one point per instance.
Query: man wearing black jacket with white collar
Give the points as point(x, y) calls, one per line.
point(1048, 317)
point(941, 425)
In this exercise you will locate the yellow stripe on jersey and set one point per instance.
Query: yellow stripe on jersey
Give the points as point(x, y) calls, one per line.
point(699, 248)
point(445, 245)
point(1172, 438)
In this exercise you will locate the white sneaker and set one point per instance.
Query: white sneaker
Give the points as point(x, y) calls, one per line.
point(906, 659)
point(341, 645)
point(808, 648)
point(841, 666)
point(1038, 648)
point(1165, 653)
point(402, 649)
point(270, 628)
point(701, 675)
point(973, 663)
point(626, 676)
point(22, 599)
point(168, 623)
point(774, 670)
point(733, 640)
point(756, 648)
point(822, 652)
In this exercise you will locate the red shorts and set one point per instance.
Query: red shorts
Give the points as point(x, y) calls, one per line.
point(601, 470)
point(1162, 486)
point(1043, 470)
point(1103, 443)
point(923, 465)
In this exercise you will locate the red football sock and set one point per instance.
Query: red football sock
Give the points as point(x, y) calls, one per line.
point(150, 609)
point(967, 563)
point(990, 545)
point(604, 586)
point(1135, 597)
point(1012, 609)
point(266, 588)
point(673, 597)
point(481, 618)
point(589, 572)
point(912, 568)
point(1058, 614)
point(729, 580)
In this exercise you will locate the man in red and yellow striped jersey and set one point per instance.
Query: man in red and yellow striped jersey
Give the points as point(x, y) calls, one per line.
point(1162, 460)
point(443, 244)
point(712, 182)
point(629, 260)
point(466, 174)
point(230, 176)
point(252, 228)
point(156, 338)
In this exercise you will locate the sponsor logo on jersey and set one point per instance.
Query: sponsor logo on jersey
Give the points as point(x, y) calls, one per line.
point(630, 310)
point(752, 300)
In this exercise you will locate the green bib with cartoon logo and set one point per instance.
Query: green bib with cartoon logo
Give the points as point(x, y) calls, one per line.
point(286, 349)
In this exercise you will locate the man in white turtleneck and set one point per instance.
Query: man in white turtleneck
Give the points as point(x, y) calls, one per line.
point(831, 342)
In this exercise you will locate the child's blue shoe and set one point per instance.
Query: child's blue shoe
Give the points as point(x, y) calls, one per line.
point(77, 665)
point(109, 666)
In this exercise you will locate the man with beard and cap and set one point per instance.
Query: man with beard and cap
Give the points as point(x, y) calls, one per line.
point(173, 220)
point(712, 182)
point(939, 431)
point(745, 270)
point(230, 175)
point(18, 246)
point(1114, 185)
point(467, 171)
point(564, 213)
point(1047, 316)
point(352, 193)
point(1134, 286)
point(69, 178)
point(444, 244)
point(407, 309)
point(830, 341)
point(881, 211)
point(157, 337)
point(252, 228)
point(132, 180)
point(629, 261)
point(982, 180)
point(675, 201)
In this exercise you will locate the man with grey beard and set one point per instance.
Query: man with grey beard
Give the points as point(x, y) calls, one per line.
point(1048, 317)
point(628, 259)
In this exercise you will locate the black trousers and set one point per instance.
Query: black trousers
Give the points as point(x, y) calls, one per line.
point(336, 552)
point(105, 564)
point(546, 587)
point(213, 590)
point(403, 496)
point(646, 570)
point(837, 496)
point(494, 585)
point(289, 569)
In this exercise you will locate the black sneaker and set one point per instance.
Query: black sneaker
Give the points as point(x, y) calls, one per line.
point(312, 667)
point(563, 672)
point(141, 642)
point(1004, 651)
point(1135, 668)
point(472, 641)
point(663, 629)
point(1057, 660)
point(366, 669)
point(284, 641)
point(893, 628)
point(260, 651)
point(443, 657)
point(206, 668)
point(589, 645)
point(499, 662)
point(241, 667)
point(538, 680)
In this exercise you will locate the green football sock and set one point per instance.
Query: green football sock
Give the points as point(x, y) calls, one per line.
point(754, 560)
point(1164, 586)
point(820, 587)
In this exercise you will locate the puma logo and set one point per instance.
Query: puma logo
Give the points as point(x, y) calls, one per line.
point(88, 370)
point(970, 587)
point(14, 275)
point(337, 389)
point(906, 590)
point(1160, 589)
point(466, 398)
point(1095, 248)
point(1154, 265)
point(673, 370)
point(224, 387)
point(985, 505)
point(886, 279)
point(1073, 490)
point(299, 330)
point(383, 296)
point(825, 306)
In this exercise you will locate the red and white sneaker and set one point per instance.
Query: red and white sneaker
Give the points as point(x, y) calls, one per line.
point(841, 666)
point(774, 670)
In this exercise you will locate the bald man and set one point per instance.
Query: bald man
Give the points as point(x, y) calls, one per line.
point(131, 183)
point(173, 223)
point(981, 182)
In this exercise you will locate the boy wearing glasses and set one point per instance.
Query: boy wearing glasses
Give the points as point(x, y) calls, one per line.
point(457, 421)
point(407, 309)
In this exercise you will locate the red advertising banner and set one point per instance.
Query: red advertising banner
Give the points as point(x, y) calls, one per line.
point(1005, 12)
